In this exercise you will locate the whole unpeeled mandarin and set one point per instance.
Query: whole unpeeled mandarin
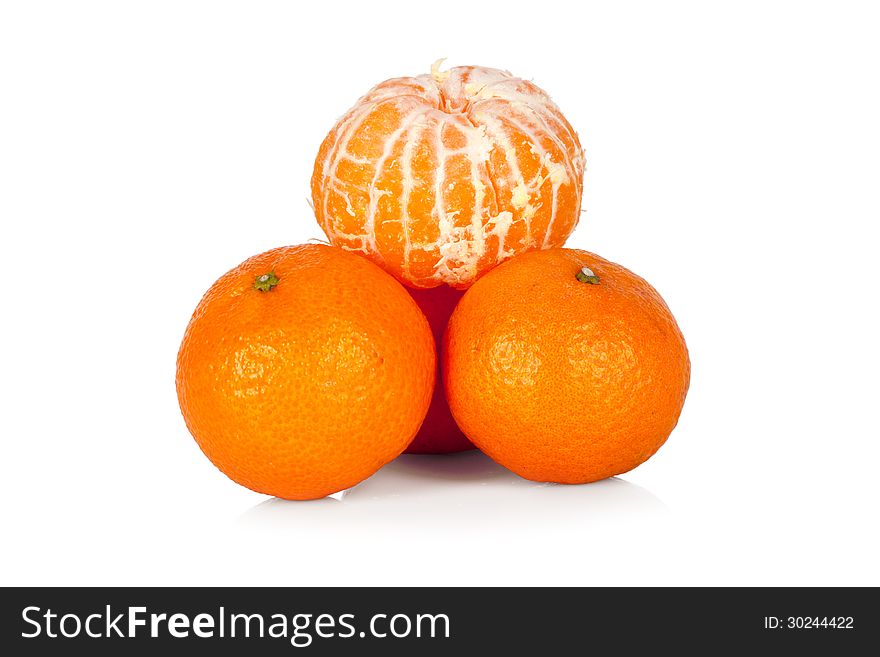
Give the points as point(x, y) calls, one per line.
point(304, 370)
point(440, 177)
point(439, 434)
point(565, 367)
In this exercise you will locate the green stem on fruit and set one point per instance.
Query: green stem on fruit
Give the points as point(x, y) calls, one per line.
point(266, 282)
point(586, 275)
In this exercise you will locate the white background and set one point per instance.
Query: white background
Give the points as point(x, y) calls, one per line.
point(733, 160)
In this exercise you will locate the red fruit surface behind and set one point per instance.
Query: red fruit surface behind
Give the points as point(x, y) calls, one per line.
point(439, 433)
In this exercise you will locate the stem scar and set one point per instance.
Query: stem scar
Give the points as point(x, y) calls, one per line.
point(266, 282)
point(586, 275)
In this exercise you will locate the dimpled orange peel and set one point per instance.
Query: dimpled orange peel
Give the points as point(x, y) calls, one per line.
point(565, 367)
point(304, 370)
point(440, 177)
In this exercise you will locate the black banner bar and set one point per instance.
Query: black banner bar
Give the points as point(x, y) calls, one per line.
point(436, 621)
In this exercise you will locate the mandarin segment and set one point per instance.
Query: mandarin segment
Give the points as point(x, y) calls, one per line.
point(565, 367)
point(440, 177)
point(304, 370)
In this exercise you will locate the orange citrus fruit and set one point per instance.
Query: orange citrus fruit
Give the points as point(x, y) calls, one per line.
point(565, 367)
point(439, 433)
point(304, 370)
point(438, 178)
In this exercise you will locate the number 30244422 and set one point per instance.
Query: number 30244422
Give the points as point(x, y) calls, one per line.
point(808, 622)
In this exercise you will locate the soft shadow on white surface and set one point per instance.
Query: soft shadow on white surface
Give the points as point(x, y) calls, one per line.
point(460, 490)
